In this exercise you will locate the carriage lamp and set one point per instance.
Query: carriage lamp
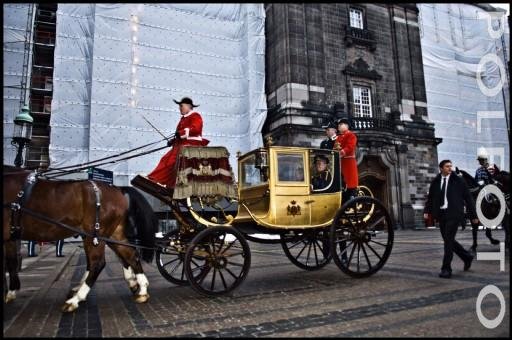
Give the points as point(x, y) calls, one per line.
point(22, 133)
point(261, 159)
point(261, 163)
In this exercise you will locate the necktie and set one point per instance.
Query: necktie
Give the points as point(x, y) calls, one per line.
point(443, 191)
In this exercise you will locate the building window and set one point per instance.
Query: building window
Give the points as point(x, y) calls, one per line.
point(356, 18)
point(362, 102)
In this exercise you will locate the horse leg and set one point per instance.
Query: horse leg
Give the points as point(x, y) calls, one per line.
point(488, 233)
point(77, 287)
point(11, 261)
point(128, 273)
point(96, 262)
point(82, 280)
point(133, 272)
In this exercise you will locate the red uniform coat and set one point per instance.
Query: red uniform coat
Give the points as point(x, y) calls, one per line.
point(348, 142)
point(190, 129)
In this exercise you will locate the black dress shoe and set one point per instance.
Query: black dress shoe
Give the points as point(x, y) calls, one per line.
point(445, 274)
point(467, 264)
point(35, 255)
point(60, 255)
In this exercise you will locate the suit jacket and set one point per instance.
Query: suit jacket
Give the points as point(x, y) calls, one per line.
point(457, 194)
point(321, 180)
point(328, 143)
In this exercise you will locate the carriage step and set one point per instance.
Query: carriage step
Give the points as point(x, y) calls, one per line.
point(154, 189)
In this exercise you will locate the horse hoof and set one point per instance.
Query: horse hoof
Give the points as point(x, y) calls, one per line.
point(11, 296)
point(69, 307)
point(141, 298)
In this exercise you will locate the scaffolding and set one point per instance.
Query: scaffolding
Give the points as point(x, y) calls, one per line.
point(41, 83)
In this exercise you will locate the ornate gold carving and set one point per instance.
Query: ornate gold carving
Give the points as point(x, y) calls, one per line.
point(269, 141)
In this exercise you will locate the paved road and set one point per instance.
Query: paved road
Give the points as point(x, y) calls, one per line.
point(405, 298)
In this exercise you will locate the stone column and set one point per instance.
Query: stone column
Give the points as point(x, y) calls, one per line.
point(406, 208)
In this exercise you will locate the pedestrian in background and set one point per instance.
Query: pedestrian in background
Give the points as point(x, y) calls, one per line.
point(446, 199)
point(58, 248)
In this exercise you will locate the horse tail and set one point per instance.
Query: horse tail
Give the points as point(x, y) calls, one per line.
point(142, 223)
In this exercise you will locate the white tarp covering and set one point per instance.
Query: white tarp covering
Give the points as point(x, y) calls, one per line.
point(454, 39)
point(15, 27)
point(118, 63)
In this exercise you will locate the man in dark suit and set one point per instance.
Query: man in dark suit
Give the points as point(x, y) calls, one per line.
point(447, 196)
point(331, 132)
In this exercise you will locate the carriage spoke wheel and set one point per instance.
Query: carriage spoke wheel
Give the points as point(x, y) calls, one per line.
point(211, 210)
point(360, 241)
point(223, 257)
point(308, 249)
point(170, 258)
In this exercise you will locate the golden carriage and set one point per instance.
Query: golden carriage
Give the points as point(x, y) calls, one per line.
point(274, 196)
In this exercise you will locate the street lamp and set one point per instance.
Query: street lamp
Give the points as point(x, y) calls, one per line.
point(22, 133)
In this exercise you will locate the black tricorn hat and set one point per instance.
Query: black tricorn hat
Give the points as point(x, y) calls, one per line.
point(321, 157)
point(186, 100)
point(331, 125)
point(344, 121)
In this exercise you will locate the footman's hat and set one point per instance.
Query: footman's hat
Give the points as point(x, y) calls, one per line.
point(343, 121)
point(330, 125)
point(186, 100)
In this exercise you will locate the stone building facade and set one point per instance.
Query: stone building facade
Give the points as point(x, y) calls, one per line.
point(362, 61)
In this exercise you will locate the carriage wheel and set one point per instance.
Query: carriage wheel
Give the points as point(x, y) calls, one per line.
point(308, 249)
point(223, 257)
point(211, 210)
point(170, 258)
point(361, 241)
point(363, 190)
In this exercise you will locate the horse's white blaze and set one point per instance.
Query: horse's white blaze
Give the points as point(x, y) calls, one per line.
point(129, 276)
point(80, 295)
point(143, 283)
point(11, 295)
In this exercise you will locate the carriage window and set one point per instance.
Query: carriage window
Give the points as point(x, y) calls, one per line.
point(290, 168)
point(251, 175)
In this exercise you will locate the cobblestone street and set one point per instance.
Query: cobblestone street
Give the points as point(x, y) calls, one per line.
point(405, 298)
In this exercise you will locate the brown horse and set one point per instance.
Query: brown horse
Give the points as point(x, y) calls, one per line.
point(124, 216)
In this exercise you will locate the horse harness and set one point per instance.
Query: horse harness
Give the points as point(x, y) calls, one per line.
point(21, 198)
point(24, 195)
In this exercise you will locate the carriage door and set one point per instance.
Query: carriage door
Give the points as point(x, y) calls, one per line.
point(325, 196)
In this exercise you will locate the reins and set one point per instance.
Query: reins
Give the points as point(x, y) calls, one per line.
point(75, 230)
point(50, 176)
point(66, 170)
